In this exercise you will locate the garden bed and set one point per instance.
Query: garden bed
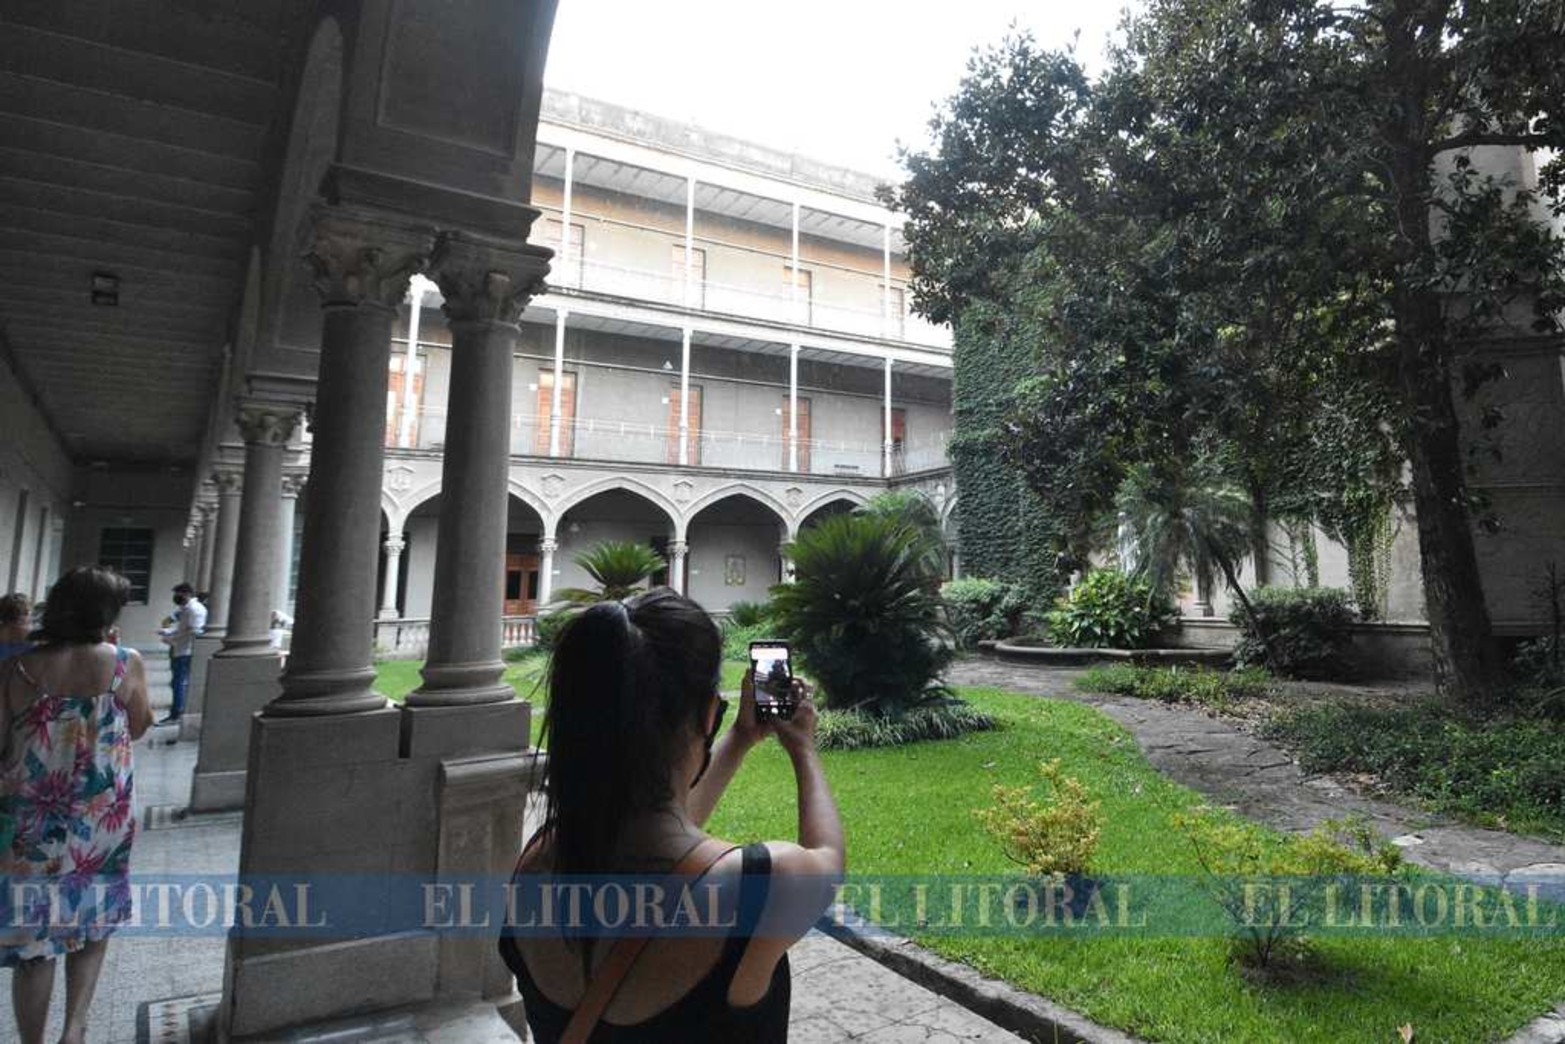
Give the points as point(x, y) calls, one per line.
point(1016, 651)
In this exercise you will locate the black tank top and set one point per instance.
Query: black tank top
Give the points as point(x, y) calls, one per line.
point(702, 1014)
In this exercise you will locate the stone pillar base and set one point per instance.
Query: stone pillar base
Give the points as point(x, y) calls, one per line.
point(201, 654)
point(238, 686)
point(421, 791)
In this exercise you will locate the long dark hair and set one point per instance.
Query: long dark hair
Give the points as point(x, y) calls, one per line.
point(82, 606)
point(630, 683)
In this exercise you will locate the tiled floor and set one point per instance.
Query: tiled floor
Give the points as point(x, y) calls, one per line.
point(838, 994)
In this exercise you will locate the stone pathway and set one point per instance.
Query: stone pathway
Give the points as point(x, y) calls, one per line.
point(1259, 780)
point(838, 994)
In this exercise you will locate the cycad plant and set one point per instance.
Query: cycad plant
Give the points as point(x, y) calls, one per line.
point(863, 616)
point(917, 513)
point(1187, 515)
point(618, 567)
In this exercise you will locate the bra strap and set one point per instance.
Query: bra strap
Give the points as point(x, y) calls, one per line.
point(622, 957)
point(120, 659)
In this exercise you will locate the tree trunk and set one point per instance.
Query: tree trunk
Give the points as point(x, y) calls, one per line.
point(1467, 664)
point(1260, 542)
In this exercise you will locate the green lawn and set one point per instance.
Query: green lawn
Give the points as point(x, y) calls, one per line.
point(908, 810)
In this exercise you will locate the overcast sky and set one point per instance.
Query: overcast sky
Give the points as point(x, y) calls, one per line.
point(837, 80)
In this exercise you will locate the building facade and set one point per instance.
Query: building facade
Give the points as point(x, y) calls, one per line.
point(764, 292)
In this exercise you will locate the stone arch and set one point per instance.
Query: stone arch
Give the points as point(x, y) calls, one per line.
point(858, 499)
point(313, 141)
point(534, 501)
point(735, 489)
point(416, 499)
point(625, 484)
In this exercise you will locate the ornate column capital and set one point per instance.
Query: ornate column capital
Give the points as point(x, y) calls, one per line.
point(362, 256)
point(678, 548)
point(266, 424)
point(395, 545)
point(548, 546)
point(228, 483)
point(294, 483)
point(487, 280)
point(205, 510)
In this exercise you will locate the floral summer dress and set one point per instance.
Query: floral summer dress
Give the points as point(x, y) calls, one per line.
point(66, 822)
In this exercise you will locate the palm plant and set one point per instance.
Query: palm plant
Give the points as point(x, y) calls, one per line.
point(916, 512)
point(1187, 516)
point(619, 567)
point(862, 615)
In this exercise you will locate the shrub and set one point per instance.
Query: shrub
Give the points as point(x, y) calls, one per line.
point(1233, 853)
point(1500, 770)
point(1055, 836)
point(850, 730)
point(749, 614)
point(618, 567)
point(981, 610)
point(863, 617)
point(546, 629)
point(1178, 684)
point(1540, 662)
point(737, 639)
point(1109, 610)
point(1308, 631)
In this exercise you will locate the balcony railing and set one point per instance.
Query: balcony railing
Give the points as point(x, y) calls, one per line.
point(590, 438)
point(814, 308)
point(409, 637)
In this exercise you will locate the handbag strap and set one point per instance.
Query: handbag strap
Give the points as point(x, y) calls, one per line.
point(622, 957)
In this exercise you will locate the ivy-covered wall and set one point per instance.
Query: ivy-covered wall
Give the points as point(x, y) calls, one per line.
point(1002, 529)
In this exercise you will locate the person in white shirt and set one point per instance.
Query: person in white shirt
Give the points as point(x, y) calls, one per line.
point(189, 621)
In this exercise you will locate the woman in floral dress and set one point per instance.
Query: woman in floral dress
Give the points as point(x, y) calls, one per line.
point(69, 711)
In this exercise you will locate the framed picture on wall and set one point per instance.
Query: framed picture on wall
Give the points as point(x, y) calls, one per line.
point(733, 571)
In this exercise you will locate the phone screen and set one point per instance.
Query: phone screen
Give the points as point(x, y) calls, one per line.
point(773, 679)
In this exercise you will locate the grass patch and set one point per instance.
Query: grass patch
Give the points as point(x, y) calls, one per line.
point(1179, 684)
point(1500, 771)
point(850, 730)
point(909, 810)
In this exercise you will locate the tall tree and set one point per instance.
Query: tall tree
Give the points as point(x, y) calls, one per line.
point(1263, 208)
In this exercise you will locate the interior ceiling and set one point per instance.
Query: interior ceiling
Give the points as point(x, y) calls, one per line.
point(131, 144)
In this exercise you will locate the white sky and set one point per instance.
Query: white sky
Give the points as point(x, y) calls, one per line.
point(840, 81)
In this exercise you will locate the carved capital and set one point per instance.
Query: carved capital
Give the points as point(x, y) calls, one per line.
point(293, 484)
point(364, 257)
point(395, 545)
point(205, 511)
point(677, 548)
point(548, 546)
point(484, 280)
point(267, 425)
point(228, 483)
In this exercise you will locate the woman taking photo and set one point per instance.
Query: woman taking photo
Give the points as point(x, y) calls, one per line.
point(633, 774)
point(69, 710)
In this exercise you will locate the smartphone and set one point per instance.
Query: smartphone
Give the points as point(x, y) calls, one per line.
point(773, 679)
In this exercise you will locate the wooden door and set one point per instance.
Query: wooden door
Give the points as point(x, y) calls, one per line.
point(804, 434)
point(521, 585)
point(898, 435)
point(567, 414)
point(395, 384)
point(693, 418)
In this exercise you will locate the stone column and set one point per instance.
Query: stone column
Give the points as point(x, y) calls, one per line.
point(546, 549)
point(783, 552)
point(486, 284)
point(388, 589)
point(243, 676)
point(266, 430)
point(230, 490)
point(362, 260)
point(677, 549)
point(292, 484)
point(203, 577)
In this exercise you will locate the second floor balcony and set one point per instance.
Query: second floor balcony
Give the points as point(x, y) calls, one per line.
point(633, 442)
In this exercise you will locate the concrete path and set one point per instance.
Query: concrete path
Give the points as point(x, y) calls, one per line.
point(1259, 780)
point(838, 994)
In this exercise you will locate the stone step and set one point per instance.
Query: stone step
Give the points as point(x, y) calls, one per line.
point(190, 1020)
